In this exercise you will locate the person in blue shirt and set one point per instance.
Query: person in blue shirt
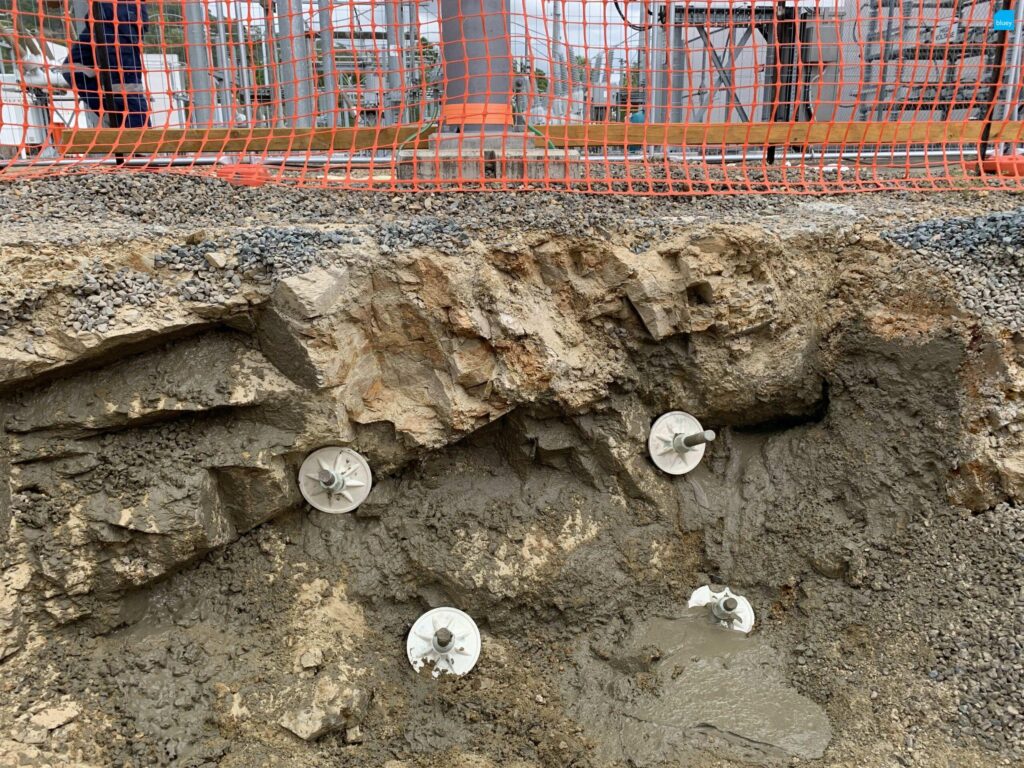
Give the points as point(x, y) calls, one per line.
point(106, 63)
point(635, 118)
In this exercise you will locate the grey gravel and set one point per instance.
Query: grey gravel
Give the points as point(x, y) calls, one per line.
point(447, 236)
point(983, 254)
point(148, 205)
point(946, 600)
point(217, 268)
point(102, 293)
point(980, 645)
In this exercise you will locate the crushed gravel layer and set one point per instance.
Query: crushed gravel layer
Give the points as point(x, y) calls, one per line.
point(208, 239)
point(945, 600)
point(983, 254)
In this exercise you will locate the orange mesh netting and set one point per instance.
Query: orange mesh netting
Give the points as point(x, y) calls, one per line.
point(700, 97)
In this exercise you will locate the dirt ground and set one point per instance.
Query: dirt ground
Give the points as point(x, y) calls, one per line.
point(167, 598)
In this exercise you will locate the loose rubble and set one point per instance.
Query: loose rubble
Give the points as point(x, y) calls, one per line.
point(422, 232)
point(19, 307)
point(102, 293)
point(983, 254)
point(266, 256)
point(981, 652)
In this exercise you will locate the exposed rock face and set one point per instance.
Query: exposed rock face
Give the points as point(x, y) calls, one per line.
point(503, 397)
point(124, 471)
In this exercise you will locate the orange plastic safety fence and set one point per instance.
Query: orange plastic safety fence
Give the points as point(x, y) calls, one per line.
point(627, 96)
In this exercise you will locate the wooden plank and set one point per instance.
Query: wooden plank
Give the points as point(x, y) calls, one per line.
point(1007, 130)
point(768, 134)
point(106, 141)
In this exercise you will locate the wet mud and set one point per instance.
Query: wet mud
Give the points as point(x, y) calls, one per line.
point(685, 686)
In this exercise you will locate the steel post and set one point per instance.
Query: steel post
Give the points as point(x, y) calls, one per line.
point(198, 58)
point(226, 77)
point(297, 45)
point(329, 95)
point(272, 62)
point(395, 93)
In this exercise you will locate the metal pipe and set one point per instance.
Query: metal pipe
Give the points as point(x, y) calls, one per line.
point(890, 28)
point(476, 54)
point(302, 103)
point(700, 438)
point(417, 62)
point(286, 66)
point(556, 83)
point(271, 62)
point(395, 90)
point(645, 37)
point(198, 59)
point(329, 95)
point(227, 70)
point(740, 157)
point(663, 52)
point(244, 75)
point(127, 162)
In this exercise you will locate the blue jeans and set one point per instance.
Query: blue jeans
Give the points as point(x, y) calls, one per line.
point(111, 46)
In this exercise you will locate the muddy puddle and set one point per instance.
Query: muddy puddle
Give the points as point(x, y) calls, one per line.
point(677, 686)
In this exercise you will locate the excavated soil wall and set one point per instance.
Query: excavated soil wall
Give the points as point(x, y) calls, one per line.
point(167, 598)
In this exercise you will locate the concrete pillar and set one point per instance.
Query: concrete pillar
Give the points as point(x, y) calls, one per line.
point(476, 53)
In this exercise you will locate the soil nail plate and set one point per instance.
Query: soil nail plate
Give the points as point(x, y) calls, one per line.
point(727, 608)
point(335, 480)
point(447, 639)
point(677, 442)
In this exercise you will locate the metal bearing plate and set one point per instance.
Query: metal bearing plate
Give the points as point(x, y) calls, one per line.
point(445, 637)
point(739, 618)
point(335, 479)
point(663, 446)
